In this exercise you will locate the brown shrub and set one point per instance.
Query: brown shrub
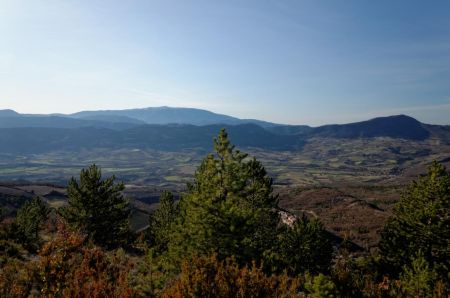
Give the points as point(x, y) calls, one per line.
point(209, 277)
point(66, 268)
point(15, 279)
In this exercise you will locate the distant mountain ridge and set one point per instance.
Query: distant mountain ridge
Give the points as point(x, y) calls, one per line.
point(169, 115)
point(134, 129)
point(63, 122)
point(124, 118)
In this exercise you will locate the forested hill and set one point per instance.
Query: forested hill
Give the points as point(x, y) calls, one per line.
point(400, 126)
point(131, 129)
point(159, 137)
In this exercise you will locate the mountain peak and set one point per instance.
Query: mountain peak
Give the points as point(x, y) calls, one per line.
point(400, 117)
point(8, 113)
point(397, 126)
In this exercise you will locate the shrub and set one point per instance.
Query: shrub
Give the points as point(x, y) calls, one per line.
point(210, 277)
point(66, 268)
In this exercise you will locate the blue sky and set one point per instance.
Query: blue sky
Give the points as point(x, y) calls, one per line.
point(299, 62)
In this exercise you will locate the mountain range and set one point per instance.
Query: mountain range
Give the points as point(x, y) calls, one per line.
point(119, 119)
point(166, 128)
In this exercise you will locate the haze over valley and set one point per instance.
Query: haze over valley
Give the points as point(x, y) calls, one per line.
point(164, 145)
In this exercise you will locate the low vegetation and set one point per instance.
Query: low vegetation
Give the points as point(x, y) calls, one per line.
point(227, 236)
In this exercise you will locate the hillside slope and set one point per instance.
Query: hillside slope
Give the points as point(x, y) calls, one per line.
point(399, 126)
point(41, 133)
point(159, 137)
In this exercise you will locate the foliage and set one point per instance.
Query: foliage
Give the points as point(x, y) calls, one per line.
point(228, 209)
point(9, 248)
point(418, 279)
point(29, 220)
point(22, 232)
point(421, 222)
point(99, 275)
point(97, 207)
point(150, 275)
point(358, 276)
point(304, 247)
point(58, 258)
point(16, 278)
point(319, 286)
point(161, 222)
point(209, 277)
point(66, 268)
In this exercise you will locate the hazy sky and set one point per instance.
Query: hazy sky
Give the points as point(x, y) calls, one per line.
point(299, 62)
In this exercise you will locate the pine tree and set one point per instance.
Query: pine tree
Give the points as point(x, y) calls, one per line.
point(305, 247)
point(229, 209)
point(421, 222)
point(162, 221)
point(29, 220)
point(97, 207)
point(417, 279)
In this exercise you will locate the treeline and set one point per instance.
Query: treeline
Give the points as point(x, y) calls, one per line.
point(225, 237)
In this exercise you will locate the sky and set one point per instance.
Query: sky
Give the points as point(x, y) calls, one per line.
point(287, 61)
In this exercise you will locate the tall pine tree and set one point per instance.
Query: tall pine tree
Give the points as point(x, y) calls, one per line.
point(229, 209)
point(97, 207)
point(421, 223)
point(29, 220)
point(162, 221)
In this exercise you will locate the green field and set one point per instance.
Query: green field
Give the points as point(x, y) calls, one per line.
point(320, 162)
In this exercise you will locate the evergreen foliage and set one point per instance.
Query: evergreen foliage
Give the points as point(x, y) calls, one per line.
point(421, 222)
point(305, 247)
point(97, 207)
point(29, 220)
point(357, 277)
point(418, 278)
point(229, 209)
point(162, 221)
point(319, 286)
